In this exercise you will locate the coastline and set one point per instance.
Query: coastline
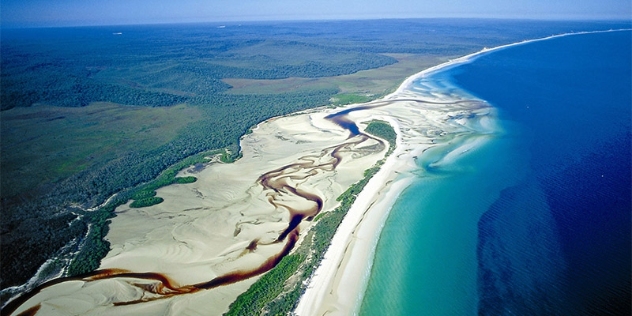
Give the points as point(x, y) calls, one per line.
point(138, 233)
point(338, 284)
point(421, 122)
point(467, 58)
point(229, 220)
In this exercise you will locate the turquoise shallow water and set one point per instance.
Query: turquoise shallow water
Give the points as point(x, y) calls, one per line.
point(536, 221)
point(426, 261)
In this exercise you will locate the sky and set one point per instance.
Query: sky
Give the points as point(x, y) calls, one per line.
point(36, 13)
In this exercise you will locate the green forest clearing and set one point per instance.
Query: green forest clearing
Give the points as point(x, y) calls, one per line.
point(372, 82)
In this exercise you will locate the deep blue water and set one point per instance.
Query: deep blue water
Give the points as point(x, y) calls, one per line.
point(572, 95)
point(537, 221)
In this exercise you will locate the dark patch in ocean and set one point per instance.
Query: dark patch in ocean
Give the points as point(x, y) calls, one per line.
point(564, 248)
point(558, 243)
point(591, 203)
point(519, 260)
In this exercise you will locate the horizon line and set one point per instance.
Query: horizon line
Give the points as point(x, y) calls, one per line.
point(318, 20)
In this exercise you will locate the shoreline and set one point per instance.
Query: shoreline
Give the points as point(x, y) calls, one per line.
point(338, 284)
point(470, 57)
point(175, 238)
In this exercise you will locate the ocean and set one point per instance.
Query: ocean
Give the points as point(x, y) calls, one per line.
point(536, 221)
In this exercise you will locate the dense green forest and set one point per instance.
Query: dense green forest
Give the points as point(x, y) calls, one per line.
point(49, 213)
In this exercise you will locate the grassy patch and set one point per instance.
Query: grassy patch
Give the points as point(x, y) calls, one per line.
point(385, 131)
point(276, 86)
point(70, 140)
point(146, 202)
point(349, 98)
point(372, 82)
point(143, 194)
point(185, 180)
